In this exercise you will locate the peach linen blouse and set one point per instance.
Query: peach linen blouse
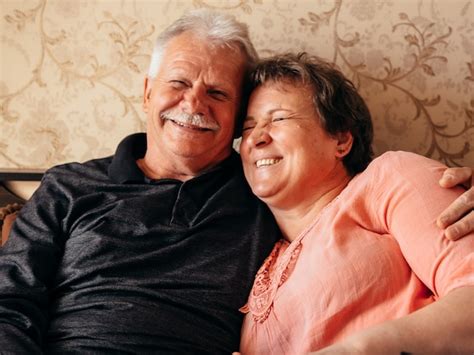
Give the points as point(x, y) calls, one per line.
point(373, 254)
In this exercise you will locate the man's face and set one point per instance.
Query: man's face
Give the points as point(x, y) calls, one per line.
point(200, 80)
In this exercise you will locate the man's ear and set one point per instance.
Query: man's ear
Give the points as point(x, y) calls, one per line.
point(344, 144)
point(146, 94)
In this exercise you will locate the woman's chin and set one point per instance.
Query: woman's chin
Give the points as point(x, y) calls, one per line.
point(264, 193)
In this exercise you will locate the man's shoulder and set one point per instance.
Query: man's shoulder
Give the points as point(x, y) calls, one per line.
point(95, 169)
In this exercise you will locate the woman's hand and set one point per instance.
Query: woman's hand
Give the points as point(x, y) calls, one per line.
point(458, 218)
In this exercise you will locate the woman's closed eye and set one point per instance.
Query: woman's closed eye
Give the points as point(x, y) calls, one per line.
point(248, 125)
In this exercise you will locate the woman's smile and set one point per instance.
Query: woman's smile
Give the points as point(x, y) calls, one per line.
point(267, 162)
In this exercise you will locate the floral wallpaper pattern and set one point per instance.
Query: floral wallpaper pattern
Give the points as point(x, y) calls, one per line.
point(72, 71)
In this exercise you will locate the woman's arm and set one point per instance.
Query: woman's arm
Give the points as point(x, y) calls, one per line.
point(408, 200)
point(443, 327)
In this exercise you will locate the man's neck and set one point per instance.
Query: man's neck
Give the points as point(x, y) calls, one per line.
point(180, 169)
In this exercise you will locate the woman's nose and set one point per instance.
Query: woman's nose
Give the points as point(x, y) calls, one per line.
point(259, 137)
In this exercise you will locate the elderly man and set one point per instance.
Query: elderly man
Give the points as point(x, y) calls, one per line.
point(155, 248)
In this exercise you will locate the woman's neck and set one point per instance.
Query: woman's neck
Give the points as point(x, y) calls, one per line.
point(292, 221)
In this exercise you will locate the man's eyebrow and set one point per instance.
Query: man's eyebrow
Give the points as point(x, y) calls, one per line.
point(224, 87)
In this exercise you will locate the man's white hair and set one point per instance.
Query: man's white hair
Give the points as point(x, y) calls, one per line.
point(219, 29)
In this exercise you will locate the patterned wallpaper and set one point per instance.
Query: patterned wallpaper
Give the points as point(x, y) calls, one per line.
point(72, 70)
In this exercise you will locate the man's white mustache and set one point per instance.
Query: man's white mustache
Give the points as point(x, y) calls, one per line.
point(195, 120)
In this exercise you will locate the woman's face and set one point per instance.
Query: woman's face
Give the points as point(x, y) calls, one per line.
point(286, 153)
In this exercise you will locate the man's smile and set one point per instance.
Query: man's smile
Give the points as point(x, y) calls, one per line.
point(188, 126)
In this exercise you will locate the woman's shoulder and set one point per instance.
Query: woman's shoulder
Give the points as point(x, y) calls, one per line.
point(406, 163)
point(402, 158)
point(406, 167)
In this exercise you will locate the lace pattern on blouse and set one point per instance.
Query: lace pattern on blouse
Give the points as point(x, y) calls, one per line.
point(274, 272)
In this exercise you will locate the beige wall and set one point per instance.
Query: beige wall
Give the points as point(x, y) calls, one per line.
point(72, 70)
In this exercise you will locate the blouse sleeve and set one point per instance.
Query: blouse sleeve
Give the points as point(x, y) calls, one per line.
point(408, 200)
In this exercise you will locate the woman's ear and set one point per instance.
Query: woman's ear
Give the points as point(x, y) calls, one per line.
point(344, 144)
point(146, 94)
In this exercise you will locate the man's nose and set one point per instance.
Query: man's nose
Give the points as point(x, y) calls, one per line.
point(194, 101)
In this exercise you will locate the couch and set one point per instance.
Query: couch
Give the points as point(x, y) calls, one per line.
point(13, 194)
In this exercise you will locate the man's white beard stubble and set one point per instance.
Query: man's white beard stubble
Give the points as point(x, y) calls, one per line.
point(193, 120)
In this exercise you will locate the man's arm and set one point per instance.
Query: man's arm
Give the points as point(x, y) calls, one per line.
point(458, 218)
point(443, 327)
point(28, 265)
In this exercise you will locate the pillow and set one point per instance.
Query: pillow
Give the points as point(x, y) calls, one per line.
point(7, 217)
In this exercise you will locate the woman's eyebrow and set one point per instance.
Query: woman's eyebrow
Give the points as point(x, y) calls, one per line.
point(269, 112)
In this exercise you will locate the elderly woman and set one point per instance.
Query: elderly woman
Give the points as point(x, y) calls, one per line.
point(363, 265)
